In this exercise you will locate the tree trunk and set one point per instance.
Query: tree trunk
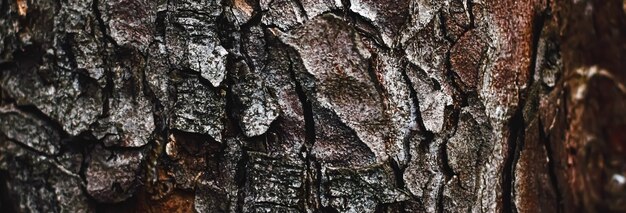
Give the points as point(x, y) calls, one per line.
point(312, 106)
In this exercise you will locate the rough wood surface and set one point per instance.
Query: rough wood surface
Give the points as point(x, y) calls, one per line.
point(312, 106)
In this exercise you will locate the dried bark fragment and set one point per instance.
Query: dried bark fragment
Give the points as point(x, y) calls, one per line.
point(511, 58)
point(29, 130)
point(217, 66)
point(83, 50)
point(387, 17)
point(427, 47)
point(398, 105)
point(423, 177)
point(533, 188)
point(128, 103)
point(464, 150)
point(427, 50)
point(72, 99)
point(198, 108)
point(243, 10)
point(273, 184)
point(274, 68)
point(341, 71)
point(285, 14)
point(458, 18)
point(112, 176)
point(360, 189)
point(157, 73)
point(39, 183)
point(192, 41)
point(133, 28)
point(230, 169)
point(259, 106)
point(466, 56)
point(421, 13)
point(314, 8)
point(432, 104)
point(504, 82)
point(333, 138)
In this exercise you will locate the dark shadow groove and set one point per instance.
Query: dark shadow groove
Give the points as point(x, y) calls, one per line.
point(551, 168)
point(7, 200)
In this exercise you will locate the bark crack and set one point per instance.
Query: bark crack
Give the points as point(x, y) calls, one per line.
point(309, 129)
point(551, 167)
point(514, 144)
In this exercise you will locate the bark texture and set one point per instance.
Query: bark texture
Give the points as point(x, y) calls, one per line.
point(312, 106)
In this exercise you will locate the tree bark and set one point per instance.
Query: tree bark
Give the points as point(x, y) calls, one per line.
point(312, 106)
